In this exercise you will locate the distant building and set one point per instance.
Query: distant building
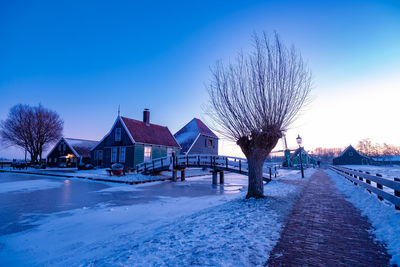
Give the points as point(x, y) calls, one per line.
point(131, 142)
point(350, 156)
point(196, 138)
point(294, 159)
point(69, 152)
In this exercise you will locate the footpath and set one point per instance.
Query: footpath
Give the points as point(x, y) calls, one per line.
point(324, 229)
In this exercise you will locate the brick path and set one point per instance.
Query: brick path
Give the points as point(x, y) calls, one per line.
point(324, 229)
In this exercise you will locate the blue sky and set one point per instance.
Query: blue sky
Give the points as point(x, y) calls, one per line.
point(84, 58)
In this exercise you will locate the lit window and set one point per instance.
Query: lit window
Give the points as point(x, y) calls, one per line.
point(118, 134)
point(122, 151)
point(113, 154)
point(147, 153)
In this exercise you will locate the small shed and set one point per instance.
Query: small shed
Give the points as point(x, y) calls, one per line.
point(305, 157)
point(196, 138)
point(350, 156)
point(69, 152)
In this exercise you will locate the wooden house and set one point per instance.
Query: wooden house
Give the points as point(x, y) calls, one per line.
point(196, 138)
point(350, 156)
point(131, 142)
point(69, 152)
point(305, 157)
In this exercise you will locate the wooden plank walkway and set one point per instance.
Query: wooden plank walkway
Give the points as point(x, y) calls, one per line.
point(324, 229)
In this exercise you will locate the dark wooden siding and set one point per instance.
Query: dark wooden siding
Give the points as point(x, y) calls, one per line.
point(201, 146)
point(351, 157)
point(134, 151)
point(56, 154)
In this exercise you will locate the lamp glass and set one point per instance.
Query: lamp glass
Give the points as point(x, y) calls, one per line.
point(298, 139)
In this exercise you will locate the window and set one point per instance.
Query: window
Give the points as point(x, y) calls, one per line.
point(100, 156)
point(60, 147)
point(210, 143)
point(96, 154)
point(169, 152)
point(122, 151)
point(113, 154)
point(350, 154)
point(118, 134)
point(147, 153)
point(64, 147)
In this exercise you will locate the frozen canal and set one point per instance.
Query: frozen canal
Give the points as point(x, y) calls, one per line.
point(26, 198)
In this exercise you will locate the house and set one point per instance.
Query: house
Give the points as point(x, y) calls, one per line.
point(350, 156)
point(131, 142)
point(196, 138)
point(295, 159)
point(69, 152)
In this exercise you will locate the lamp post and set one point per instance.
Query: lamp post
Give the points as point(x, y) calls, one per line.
point(299, 140)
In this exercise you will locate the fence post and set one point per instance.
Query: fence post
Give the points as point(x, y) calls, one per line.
point(397, 193)
point(270, 173)
point(240, 166)
point(226, 163)
point(379, 186)
point(221, 177)
point(275, 171)
point(187, 161)
point(198, 161)
point(214, 177)
point(182, 175)
point(174, 176)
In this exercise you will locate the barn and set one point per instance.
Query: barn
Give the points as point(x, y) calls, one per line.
point(196, 138)
point(69, 152)
point(131, 142)
point(350, 156)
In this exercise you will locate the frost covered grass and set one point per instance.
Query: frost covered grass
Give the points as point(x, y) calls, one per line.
point(217, 230)
point(28, 186)
point(386, 171)
point(383, 216)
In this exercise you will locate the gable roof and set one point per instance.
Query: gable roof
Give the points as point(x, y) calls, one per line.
point(350, 147)
point(189, 133)
point(80, 146)
point(149, 134)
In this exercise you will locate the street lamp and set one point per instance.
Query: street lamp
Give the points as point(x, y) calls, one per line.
point(299, 140)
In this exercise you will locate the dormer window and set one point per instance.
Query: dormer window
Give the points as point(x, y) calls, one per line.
point(117, 134)
point(350, 154)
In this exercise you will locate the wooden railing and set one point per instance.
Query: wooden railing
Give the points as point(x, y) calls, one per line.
point(233, 164)
point(373, 183)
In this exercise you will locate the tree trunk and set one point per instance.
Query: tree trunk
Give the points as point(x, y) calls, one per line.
point(255, 181)
point(256, 149)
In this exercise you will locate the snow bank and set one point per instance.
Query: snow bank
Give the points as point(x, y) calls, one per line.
point(28, 186)
point(212, 230)
point(384, 218)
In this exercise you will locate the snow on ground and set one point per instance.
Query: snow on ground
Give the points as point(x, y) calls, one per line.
point(219, 230)
point(386, 171)
point(292, 174)
point(383, 216)
point(27, 186)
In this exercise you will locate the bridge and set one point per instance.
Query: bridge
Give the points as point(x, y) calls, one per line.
point(217, 164)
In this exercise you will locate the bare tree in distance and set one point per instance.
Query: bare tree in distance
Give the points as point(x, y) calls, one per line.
point(254, 100)
point(31, 128)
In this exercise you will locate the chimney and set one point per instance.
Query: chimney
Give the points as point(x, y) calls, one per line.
point(146, 116)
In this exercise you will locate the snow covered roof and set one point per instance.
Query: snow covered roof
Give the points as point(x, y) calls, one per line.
point(80, 146)
point(190, 132)
point(149, 134)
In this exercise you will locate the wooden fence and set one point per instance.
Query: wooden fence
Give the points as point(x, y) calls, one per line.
point(365, 179)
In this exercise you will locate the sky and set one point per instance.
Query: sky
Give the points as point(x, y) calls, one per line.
point(83, 59)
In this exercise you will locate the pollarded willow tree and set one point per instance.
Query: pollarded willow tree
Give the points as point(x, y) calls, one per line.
point(254, 100)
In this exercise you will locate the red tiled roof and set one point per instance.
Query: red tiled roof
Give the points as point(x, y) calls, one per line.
point(152, 134)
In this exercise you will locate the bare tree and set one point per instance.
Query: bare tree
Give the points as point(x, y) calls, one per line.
point(31, 128)
point(255, 99)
